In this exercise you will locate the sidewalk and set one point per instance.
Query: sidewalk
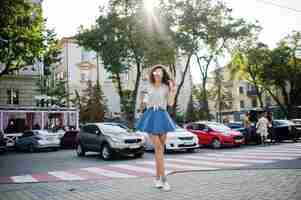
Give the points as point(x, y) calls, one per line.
point(269, 184)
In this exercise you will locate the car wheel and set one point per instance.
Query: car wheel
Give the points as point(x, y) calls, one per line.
point(31, 148)
point(106, 152)
point(80, 151)
point(138, 155)
point(216, 144)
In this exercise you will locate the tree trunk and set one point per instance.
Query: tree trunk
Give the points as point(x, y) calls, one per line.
point(134, 97)
point(205, 100)
point(282, 107)
point(174, 109)
point(259, 96)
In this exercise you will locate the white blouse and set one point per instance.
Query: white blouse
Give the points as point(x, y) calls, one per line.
point(156, 96)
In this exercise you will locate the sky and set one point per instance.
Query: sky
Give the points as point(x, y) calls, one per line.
point(65, 16)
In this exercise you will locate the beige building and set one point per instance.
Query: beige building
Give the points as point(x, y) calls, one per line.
point(79, 66)
point(20, 88)
point(237, 96)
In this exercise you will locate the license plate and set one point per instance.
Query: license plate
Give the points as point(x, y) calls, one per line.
point(10, 144)
point(50, 139)
point(238, 140)
point(188, 143)
point(134, 147)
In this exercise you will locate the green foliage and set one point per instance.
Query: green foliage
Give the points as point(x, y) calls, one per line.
point(128, 39)
point(284, 71)
point(206, 29)
point(49, 85)
point(21, 33)
point(92, 104)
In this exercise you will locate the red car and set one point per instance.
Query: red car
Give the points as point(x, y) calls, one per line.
point(69, 139)
point(215, 134)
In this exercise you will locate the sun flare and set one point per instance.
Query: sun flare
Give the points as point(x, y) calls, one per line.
point(149, 5)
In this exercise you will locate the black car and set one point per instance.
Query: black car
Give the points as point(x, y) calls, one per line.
point(250, 136)
point(284, 130)
point(2, 142)
point(109, 139)
point(297, 123)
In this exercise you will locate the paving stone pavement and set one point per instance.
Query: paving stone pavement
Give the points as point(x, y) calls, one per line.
point(268, 184)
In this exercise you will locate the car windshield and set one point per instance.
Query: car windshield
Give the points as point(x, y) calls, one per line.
point(114, 128)
point(283, 122)
point(220, 128)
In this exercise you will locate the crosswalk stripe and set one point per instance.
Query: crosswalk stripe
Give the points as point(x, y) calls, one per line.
point(220, 158)
point(265, 153)
point(180, 166)
point(254, 157)
point(23, 179)
point(62, 175)
point(108, 173)
point(207, 163)
point(271, 151)
point(135, 168)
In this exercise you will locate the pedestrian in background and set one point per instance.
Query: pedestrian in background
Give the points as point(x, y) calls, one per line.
point(262, 127)
point(155, 119)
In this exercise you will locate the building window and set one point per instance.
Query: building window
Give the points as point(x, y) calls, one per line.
point(242, 104)
point(83, 77)
point(126, 76)
point(12, 96)
point(230, 104)
point(268, 101)
point(254, 102)
point(241, 90)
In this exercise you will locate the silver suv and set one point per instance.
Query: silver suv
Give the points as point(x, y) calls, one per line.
point(109, 139)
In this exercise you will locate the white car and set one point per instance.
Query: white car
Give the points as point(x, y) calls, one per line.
point(180, 139)
point(37, 139)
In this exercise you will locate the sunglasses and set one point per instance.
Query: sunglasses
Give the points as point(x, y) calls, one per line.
point(159, 73)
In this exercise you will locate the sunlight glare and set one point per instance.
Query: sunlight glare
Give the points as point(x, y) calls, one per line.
point(149, 5)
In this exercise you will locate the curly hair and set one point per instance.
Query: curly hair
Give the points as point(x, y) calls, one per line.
point(166, 77)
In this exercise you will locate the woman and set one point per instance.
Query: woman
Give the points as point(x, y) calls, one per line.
point(155, 119)
point(262, 127)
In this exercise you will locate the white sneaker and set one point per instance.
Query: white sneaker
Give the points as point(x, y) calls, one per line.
point(166, 186)
point(158, 183)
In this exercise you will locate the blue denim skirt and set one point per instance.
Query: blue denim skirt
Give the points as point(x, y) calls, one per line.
point(155, 121)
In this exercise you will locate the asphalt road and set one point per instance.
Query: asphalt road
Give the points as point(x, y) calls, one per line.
point(281, 156)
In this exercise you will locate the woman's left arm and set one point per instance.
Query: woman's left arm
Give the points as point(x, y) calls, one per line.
point(171, 93)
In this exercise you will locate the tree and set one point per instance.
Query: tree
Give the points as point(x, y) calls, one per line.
point(92, 104)
point(126, 39)
point(21, 33)
point(283, 72)
point(49, 85)
point(247, 64)
point(205, 30)
point(219, 93)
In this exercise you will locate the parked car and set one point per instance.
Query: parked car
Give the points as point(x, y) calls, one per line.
point(215, 134)
point(109, 139)
point(37, 139)
point(2, 142)
point(284, 130)
point(250, 137)
point(180, 139)
point(297, 123)
point(68, 140)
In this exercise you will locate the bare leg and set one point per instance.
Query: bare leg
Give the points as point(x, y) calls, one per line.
point(158, 155)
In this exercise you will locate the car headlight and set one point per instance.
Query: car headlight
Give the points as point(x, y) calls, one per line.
point(143, 140)
point(115, 139)
point(172, 137)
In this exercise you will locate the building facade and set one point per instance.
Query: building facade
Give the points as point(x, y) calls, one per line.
point(79, 66)
point(236, 96)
